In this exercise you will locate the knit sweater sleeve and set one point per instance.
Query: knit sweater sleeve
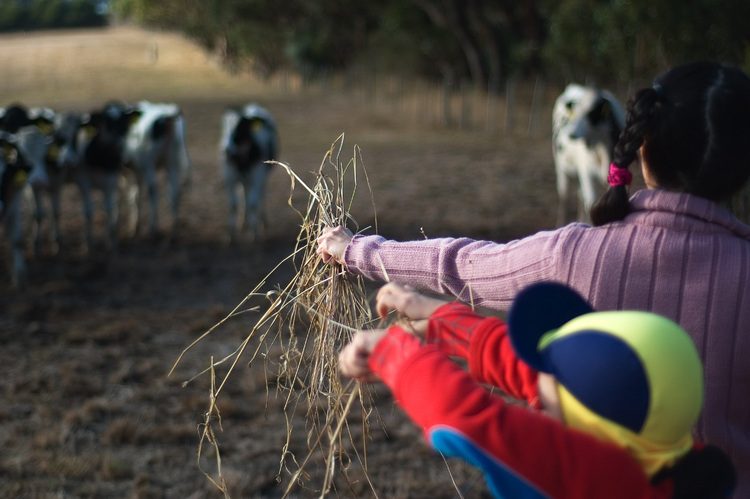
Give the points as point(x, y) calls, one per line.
point(485, 273)
point(523, 453)
point(459, 331)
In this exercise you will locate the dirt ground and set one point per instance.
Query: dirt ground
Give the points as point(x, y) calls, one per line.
point(88, 409)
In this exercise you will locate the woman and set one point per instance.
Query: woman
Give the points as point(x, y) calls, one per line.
point(669, 249)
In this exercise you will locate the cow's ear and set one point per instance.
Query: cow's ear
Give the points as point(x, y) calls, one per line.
point(43, 124)
point(134, 116)
point(19, 179)
point(93, 119)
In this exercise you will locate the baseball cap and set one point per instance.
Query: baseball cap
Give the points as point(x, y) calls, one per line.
point(635, 369)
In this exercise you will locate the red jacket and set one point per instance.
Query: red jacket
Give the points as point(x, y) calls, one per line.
point(523, 452)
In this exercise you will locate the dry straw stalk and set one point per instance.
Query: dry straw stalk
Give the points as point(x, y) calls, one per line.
point(310, 319)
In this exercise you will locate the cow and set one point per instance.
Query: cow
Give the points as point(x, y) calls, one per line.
point(32, 138)
point(586, 124)
point(249, 139)
point(157, 139)
point(14, 171)
point(95, 160)
point(36, 140)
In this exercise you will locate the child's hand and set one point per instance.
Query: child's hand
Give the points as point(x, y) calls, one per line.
point(405, 300)
point(332, 243)
point(353, 357)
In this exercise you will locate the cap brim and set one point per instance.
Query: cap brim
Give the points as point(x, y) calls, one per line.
point(538, 309)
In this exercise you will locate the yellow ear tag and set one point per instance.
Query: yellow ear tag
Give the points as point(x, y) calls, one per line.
point(89, 130)
point(46, 128)
point(10, 154)
point(257, 125)
point(53, 152)
point(20, 178)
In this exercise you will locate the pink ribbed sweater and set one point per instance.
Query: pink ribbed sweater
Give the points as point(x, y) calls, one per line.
point(676, 255)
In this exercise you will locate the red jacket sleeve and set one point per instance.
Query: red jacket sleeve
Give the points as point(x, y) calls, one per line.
point(522, 452)
point(458, 330)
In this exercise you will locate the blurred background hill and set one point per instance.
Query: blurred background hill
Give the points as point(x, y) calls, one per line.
point(474, 42)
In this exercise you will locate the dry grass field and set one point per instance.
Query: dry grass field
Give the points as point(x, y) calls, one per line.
point(88, 409)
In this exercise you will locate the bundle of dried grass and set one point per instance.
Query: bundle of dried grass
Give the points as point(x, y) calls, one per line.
point(310, 318)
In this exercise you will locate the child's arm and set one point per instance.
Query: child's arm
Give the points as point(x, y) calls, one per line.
point(523, 453)
point(460, 331)
point(408, 302)
point(456, 330)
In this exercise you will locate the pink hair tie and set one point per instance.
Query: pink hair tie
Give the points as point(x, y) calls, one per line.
point(619, 176)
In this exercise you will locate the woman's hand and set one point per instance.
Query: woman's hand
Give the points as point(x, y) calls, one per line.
point(409, 303)
point(332, 243)
point(354, 357)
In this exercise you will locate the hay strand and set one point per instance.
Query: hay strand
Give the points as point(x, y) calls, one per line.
point(310, 319)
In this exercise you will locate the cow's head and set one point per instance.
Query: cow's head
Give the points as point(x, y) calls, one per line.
point(14, 117)
point(589, 114)
point(244, 146)
point(107, 129)
point(67, 125)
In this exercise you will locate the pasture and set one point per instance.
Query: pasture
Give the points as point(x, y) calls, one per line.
point(88, 409)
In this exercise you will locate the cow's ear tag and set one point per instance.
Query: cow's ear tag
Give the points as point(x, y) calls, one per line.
point(46, 127)
point(134, 117)
point(90, 130)
point(10, 154)
point(606, 110)
point(20, 178)
point(257, 125)
point(53, 152)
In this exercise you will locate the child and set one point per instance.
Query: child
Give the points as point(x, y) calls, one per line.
point(620, 392)
point(676, 252)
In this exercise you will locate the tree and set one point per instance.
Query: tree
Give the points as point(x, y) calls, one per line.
point(617, 39)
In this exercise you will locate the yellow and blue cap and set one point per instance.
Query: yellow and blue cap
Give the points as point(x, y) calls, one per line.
point(637, 370)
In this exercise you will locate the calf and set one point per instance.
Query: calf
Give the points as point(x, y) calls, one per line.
point(157, 139)
point(32, 138)
point(248, 140)
point(97, 156)
point(14, 172)
point(586, 123)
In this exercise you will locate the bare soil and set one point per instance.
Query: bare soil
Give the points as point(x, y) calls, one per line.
point(88, 409)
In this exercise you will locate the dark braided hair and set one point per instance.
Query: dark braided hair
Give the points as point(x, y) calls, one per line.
point(694, 126)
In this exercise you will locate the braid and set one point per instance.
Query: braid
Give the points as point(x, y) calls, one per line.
point(641, 108)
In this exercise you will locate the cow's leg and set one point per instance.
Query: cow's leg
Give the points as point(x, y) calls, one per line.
point(55, 195)
point(14, 231)
point(149, 176)
point(231, 178)
point(128, 188)
point(587, 190)
point(563, 186)
point(110, 208)
point(84, 187)
point(173, 177)
point(254, 198)
point(38, 219)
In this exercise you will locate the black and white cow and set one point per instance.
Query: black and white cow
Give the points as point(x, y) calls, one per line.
point(157, 139)
point(586, 124)
point(33, 138)
point(98, 155)
point(14, 171)
point(37, 141)
point(249, 139)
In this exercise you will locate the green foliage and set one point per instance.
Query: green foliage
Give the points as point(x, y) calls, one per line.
point(480, 41)
point(618, 39)
point(12, 16)
point(16, 15)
